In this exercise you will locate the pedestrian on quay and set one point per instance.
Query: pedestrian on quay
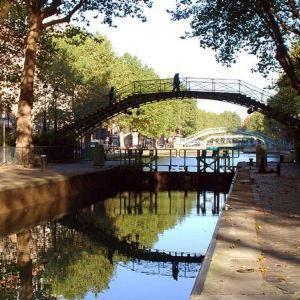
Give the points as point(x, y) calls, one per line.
point(176, 83)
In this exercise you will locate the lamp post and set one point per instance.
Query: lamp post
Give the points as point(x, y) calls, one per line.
point(45, 86)
point(55, 96)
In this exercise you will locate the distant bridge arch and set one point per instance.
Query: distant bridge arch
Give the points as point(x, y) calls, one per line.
point(224, 133)
point(139, 93)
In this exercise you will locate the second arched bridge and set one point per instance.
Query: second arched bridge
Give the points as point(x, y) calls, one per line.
point(139, 93)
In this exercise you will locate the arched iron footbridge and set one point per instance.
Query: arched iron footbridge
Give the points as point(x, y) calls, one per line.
point(139, 93)
point(222, 132)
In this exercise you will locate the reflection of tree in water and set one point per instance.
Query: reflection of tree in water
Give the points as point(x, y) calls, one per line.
point(68, 263)
point(52, 259)
point(76, 265)
point(142, 216)
point(21, 269)
point(9, 275)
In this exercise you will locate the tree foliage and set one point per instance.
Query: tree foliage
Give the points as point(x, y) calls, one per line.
point(263, 28)
point(77, 265)
point(286, 100)
point(84, 67)
point(256, 122)
point(42, 16)
point(226, 119)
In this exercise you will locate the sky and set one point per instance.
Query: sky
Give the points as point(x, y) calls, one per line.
point(157, 44)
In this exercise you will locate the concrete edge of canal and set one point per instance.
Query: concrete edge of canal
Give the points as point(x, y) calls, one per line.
point(35, 188)
point(39, 190)
point(29, 197)
point(199, 283)
point(232, 267)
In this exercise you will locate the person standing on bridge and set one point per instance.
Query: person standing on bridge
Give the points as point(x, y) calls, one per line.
point(112, 95)
point(176, 83)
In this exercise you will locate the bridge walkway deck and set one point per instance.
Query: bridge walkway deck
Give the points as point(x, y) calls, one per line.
point(257, 246)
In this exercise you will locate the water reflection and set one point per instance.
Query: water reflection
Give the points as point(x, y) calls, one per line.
point(92, 250)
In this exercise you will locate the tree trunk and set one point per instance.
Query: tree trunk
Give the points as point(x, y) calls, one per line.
point(24, 124)
point(290, 71)
point(24, 264)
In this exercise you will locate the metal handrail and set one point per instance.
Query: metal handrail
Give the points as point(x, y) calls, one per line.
point(220, 130)
point(31, 155)
point(202, 133)
point(197, 85)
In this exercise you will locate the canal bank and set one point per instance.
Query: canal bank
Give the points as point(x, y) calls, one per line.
point(128, 233)
point(66, 187)
point(23, 187)
point(255, 251)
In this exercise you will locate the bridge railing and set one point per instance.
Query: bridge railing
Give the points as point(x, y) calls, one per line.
point(197, 85)
point(201, 133)
point(186, 269)
point(32, 155)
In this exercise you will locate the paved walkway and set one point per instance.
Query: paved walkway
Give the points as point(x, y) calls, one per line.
point(257, 248)
point(277, 200)
point(17, 176)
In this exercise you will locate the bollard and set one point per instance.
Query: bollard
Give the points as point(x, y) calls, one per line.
point(278, 169)
point(262, 167)
point(250, 161)
point(44, 163)
point(99, 155)
point(281, 158)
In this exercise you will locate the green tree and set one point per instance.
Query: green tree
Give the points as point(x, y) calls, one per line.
point(287, 100)
point(226, 119)
point(43, 15)
point(256, 122)
point(263, 28)
point(230, 120)
point(84, 67)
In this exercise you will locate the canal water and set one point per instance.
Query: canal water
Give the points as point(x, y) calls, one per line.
point(178, 163)
point(111, 250)
point(87, 254)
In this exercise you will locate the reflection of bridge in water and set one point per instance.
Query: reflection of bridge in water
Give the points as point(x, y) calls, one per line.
point(179, 270)
point(131, 203)
point(127, 247)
